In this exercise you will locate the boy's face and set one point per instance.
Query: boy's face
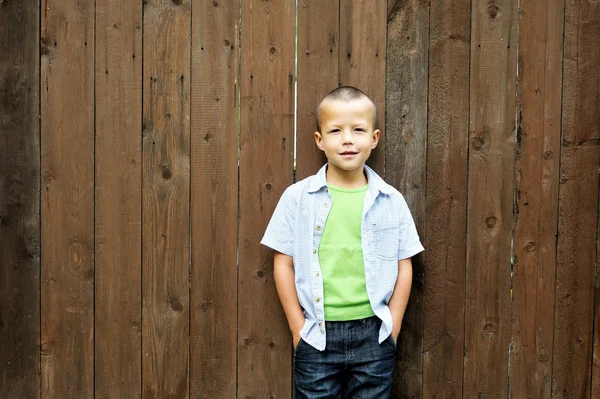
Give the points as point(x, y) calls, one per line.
point(347, 133)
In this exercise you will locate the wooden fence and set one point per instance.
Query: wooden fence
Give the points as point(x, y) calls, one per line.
point(145, 144)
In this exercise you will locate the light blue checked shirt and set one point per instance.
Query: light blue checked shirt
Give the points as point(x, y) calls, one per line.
point(388, 234)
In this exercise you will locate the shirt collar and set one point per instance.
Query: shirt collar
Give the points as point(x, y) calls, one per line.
point(376, 183)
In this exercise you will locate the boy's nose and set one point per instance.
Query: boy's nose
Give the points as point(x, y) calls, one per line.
point(347, 137)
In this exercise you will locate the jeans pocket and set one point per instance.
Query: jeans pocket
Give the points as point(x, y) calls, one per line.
point(298, 345)
point(391, 341)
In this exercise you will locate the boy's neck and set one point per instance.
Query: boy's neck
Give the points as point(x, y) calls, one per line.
point(346, 179)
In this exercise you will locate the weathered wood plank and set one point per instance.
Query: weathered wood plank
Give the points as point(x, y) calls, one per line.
point(214, 175)
point(538, 154)
point(362, 59)
point(490, 198)
point(165, 199)
point(446, 199)
point(118, 371)
point(578, 203)
point(405, 154)
point(318, 52)
point(266, 169)
point(19, 200)
point(67, 206)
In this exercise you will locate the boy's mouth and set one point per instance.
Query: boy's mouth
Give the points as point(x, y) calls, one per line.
point(348, 153)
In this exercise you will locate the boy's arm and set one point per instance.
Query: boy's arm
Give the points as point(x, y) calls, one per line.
point(399, 298)
point(283, 272)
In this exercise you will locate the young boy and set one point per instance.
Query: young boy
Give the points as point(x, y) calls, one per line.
point(343, 240)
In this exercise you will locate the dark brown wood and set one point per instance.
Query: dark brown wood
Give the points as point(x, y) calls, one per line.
point(446, 199)
point(165, 199)
point(536, 212)
point(266, 169)
point(405, 154)
point(578, 203)
point(362, 59)
point(67, 205)
point(318, 52)
point(490, 198)
point(118, 356)
point(19, 201)
point(214, 174)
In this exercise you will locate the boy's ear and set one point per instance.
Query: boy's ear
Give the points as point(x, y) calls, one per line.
point(319, 140)
point(376, 135)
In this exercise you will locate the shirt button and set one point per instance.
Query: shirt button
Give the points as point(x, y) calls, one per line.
point(318, 300)
point(320, 324)
point(326, 189)
point(322, 331)
point(314, 251)
point(318, 228)
point(317, 275)
point(326, 205)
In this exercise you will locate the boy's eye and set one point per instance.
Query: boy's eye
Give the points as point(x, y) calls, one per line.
point(334, 131)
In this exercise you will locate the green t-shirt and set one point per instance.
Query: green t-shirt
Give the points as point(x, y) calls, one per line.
point(341, 257)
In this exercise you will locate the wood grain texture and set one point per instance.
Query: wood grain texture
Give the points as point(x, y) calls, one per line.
point(578, 203)
point(490, 198)
point(118, 356)
point(19, 201)
point(362, 60)
point(67, 206)
point(214, 174)
point(405, 155)
point(266, 169)
point(318, 52)
point(536, 211)
point(165, 199)
point(446, 200)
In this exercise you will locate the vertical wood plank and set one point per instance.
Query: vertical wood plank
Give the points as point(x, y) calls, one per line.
point(318, 51)
point(362, 59)
point(490, 198)
point(19, 201)
point(578, 202)
point(266, 169)
point(118, 371)
point(214, 175)
point(405, 154)
point(165, 198)
point(536, 212)
point(446, 200)
point(67, 206)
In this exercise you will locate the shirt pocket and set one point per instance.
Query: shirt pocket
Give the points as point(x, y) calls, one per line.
point(385, 241)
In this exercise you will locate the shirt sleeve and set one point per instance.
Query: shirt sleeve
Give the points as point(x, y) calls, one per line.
point(410, 244)
point(279, 235)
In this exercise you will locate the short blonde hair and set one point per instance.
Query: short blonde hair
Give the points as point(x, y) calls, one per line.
point(344, 93)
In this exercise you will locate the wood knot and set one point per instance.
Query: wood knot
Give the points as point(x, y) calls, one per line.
point(205, 306)
point(176, 305)
point(547, 154)
point(491, 222)
point(166, 172)
point(490, 328)
point(477, 143)
point(272, 50)
point(530, 246)
point(268, 186)
point(176, 2)
point(493, 9)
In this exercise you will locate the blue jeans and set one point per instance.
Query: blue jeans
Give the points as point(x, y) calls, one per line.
point(353, 364)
